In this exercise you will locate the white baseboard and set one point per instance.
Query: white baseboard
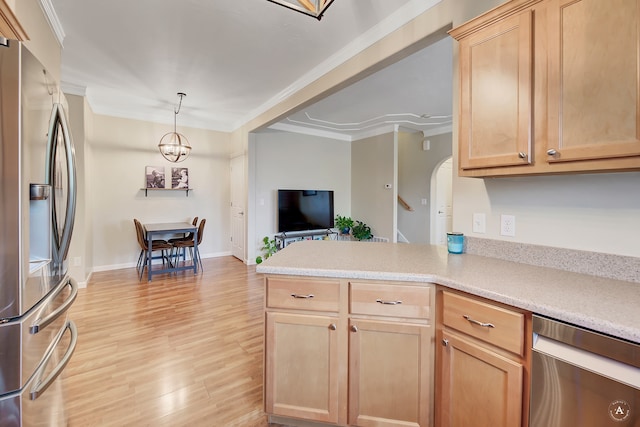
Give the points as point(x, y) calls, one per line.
point(133, 264)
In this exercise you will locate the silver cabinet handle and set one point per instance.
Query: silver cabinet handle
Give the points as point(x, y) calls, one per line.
point(333, 327)
point(354, 328)
point(445, 342)
point(475, 322)
point(522, 155)
point(302, 296)
point(552, 151)
point(380, 301)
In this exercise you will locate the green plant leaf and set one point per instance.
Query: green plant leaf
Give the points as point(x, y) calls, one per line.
point(361, 231)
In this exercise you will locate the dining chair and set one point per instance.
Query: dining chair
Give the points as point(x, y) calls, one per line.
point(189, 236)
point(156, 245)
point(189, 244)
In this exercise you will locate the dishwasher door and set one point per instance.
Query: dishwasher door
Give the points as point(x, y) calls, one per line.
point(582, 378)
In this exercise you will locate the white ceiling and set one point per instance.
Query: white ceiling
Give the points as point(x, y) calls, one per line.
point(236, 58)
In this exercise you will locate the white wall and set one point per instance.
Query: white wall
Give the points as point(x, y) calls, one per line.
point(80, 238)
point(120, 149)
point(294, 161)
point(373, 165)
point(42, 42)
point(592, 212)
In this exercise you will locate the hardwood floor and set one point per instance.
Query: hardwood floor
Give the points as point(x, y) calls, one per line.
point(180, 350)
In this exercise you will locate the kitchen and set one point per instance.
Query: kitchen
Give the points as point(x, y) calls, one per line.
point(595, 213)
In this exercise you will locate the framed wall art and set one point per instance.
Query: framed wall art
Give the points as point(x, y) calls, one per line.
point(155, 177)
point(180, 178)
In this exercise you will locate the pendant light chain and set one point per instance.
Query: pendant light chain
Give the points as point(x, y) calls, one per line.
point(174, 146)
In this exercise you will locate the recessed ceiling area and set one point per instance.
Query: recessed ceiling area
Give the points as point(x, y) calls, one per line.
point(233, 59)
point(415, 93)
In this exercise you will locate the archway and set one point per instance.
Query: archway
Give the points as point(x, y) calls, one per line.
point(441, 202)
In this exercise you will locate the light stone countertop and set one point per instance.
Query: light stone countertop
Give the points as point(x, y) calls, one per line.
point(601, 304)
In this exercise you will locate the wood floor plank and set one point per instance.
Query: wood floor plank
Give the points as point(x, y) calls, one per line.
point(180, 350)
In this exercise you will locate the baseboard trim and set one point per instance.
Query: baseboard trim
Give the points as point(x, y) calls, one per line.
point(133, 264)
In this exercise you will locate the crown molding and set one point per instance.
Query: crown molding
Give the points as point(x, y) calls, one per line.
point(438, 131)
point(381, 130)
point(73, 89)
point(309, 131)
point(53, 20)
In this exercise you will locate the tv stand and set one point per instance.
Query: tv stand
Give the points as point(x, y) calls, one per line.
point(287, 237)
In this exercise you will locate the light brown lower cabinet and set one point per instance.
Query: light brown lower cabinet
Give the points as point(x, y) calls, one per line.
point(479, 387)
point(389, 374)
point(339, 352)
point(483, 363)
point(302, 366)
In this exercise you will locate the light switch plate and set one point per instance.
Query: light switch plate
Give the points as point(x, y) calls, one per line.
point(479, 223)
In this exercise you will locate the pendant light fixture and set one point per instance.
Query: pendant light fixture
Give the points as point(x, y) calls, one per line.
point(174, 146)
point(315, 8)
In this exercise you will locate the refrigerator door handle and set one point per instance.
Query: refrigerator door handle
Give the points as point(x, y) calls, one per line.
point(41, 386)
point(40, 324)
point(59, 128)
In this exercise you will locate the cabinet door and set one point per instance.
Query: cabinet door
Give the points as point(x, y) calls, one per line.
point(478, 387)
point(594, 94)
point(301, 366)
point(495, 94)
point(390, 371)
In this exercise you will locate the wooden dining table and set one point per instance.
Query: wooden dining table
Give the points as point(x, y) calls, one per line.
point(155, 230)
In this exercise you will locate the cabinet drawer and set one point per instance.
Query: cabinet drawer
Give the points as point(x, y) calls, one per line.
point(303, 294)
point(494, 325)
point(389, 300)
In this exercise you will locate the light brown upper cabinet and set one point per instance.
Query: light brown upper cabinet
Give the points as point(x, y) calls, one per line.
point(550, 86)
point(593, 79)
point(10, 28)
point(496, 87)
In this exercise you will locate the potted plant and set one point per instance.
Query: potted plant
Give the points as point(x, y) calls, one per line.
point(343, 224)
point(361, 231)
point(268, 248)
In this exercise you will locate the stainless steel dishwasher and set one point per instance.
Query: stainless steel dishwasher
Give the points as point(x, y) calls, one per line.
point(582, 378)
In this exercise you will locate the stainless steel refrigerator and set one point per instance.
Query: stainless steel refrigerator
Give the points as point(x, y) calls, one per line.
point(37, 208)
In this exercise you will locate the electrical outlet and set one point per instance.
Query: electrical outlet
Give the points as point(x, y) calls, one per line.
point(77, 261)
point(479, 223)
point(508, 225)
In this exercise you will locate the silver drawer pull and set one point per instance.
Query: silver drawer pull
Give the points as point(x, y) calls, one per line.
point(388, 302)
point(475, 322)
point(302, 296)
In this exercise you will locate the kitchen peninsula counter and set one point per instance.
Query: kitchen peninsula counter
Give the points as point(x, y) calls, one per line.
point(601, 304)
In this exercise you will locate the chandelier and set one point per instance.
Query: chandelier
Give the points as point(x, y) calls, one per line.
point(173, 145)
point(315, 8)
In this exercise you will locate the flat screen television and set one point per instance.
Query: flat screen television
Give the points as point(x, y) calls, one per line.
point(302, 210)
